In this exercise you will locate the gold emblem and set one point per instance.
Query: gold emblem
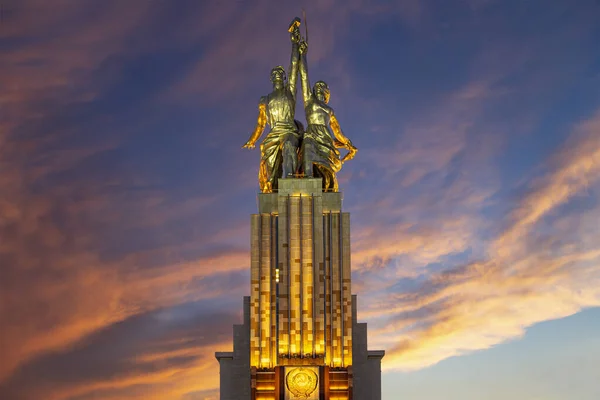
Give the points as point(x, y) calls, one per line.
point(302, 382)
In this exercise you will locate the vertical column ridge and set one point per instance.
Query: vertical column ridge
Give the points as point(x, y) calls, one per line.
point(284, 276)
point(307, 283)
point(336, 289)
point(295, 304)
point(254, 290)
point(265, 284)
point(324, 288)
point(319, 275)
point(315, 294)
point(331, 296)
point(342, 302)
point(301, 315)
point(347, 287)
point(274, 291)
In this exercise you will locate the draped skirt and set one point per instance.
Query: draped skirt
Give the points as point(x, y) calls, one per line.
point(280, 144)
point(318, 148)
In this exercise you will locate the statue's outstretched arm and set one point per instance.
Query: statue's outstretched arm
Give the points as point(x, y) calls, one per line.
point(294, 60)
point(341, 140)
point(306, 93)
point(261, 122)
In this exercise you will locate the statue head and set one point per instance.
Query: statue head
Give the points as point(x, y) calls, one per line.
point(321, 91)
point(278, 76)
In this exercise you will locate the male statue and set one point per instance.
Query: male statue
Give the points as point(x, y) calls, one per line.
point(279, 150)
point(319, 154)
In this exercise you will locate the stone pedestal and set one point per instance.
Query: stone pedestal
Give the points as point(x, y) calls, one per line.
point(300, 323)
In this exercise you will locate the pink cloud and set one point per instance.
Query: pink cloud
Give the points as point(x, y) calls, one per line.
point(522, 283)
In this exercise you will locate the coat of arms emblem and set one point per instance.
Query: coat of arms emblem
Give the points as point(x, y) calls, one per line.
point(302, 382)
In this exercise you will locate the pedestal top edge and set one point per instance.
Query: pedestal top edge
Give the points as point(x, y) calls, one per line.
point(291, 186)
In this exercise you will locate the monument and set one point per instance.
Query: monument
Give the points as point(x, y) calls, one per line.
point(300, 338)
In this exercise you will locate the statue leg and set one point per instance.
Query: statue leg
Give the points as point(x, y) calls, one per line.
point(334, 184)
point(307, 158)
point(263, 178)
point(276, 173)
point(330, 183)
point(290, 159)
point(308, 167)
point(326, 182)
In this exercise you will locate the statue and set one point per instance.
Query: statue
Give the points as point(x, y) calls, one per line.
point(279, 150)
point(318, 152)
point(287, 148)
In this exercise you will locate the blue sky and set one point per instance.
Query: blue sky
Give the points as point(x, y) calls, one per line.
point(125, 194)
point(554, 360)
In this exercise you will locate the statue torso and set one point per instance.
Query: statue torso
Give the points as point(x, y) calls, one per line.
point(281, 107)
point(317, 112)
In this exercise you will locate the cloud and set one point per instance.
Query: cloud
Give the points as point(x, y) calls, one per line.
point(139, 355)
point(122, 218)
point(431, 165)
point(88, 237)
point(579, 168)
point(95, 237)
point(536, 271)
point(246, 45)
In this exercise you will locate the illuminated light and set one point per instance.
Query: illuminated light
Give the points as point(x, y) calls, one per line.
point(338, 385)
point(264, 396)
point(265, 386)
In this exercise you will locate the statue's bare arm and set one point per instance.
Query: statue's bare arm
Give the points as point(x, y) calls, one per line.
point(306, 93)
point(341, 140)
point(261, 122)
point(294, 60)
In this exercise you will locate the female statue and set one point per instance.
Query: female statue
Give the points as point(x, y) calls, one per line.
point(318, 153)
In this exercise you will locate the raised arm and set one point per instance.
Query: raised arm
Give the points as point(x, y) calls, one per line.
point(261, 122)
point(306, 92)
point(293, 70)
point(341, 140)
point(294, 58)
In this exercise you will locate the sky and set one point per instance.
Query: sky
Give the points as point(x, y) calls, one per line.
point(125, 195)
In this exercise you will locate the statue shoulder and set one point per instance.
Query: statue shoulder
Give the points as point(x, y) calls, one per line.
point(327, 108)
point(320, 105)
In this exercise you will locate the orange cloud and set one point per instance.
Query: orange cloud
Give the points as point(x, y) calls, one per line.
point(68, 289)
point(165, 352)
point(579, 167)
point(525, 281)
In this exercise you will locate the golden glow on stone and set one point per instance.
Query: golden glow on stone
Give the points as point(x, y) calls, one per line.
point(301, 304)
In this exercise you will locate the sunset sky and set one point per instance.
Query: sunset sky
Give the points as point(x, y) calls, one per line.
point(125, 195)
